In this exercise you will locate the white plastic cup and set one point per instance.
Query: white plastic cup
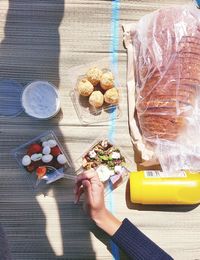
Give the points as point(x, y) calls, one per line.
point(40, 99)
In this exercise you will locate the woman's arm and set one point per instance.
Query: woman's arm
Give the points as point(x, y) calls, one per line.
point(130, 239)
point(93, 189)
point(136, 245)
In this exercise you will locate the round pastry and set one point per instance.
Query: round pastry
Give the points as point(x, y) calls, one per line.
point(94, 75)
point(96, 99)
point(112, 96)
point(85, 88)
point(107, 80)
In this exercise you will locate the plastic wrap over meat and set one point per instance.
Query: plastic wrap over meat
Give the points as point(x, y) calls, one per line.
point(167, 59)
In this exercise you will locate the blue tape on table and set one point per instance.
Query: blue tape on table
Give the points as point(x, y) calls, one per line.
point(198, 3)
point(112, 126)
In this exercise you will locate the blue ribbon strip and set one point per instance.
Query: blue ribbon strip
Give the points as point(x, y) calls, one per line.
point(112, 126)
point(198, 2)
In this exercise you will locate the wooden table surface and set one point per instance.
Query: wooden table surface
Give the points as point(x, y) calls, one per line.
point(42, 39)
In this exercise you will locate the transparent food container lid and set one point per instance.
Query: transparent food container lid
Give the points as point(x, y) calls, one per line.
point(89, 115)
point(10, 98)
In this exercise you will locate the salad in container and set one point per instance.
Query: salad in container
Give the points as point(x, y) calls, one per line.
point(109, 161)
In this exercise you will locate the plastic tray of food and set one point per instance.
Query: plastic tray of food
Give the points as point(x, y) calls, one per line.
point(96, 95)
point(43, 159)
point(109, 161)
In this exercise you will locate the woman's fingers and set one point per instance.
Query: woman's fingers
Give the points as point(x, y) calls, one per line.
point(87, 175)
point(76, 187)
point(84, 188)
point(88, 191)
point(78, 181)
point(87, 182)
point(78, 194)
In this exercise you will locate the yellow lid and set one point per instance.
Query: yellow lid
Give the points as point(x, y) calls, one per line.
point(136, 187)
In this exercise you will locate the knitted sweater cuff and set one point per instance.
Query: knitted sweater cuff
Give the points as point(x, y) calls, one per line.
point(136, 245)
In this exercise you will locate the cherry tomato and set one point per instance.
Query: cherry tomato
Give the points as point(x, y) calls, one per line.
point(34, 148)
point(41, 171)
point(55, 151)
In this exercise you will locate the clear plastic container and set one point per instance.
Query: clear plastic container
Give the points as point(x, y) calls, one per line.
point(86, 113)
point(111, 171)
point(40, 99)
point(43, 160)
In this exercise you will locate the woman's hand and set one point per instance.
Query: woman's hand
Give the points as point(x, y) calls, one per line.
point(88, 183)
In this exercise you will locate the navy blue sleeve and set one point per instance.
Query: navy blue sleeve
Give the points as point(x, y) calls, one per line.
point(136, 245)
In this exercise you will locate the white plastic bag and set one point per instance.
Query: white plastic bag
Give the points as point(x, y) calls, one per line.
point(163, 85)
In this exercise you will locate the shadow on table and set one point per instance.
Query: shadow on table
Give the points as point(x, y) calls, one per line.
point(29, 51)
point(167, 208)
point(105, 239)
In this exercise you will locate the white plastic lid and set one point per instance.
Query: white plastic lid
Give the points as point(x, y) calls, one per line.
point(10, 98)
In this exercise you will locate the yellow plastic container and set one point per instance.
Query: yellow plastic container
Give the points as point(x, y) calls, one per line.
point(153, 187)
